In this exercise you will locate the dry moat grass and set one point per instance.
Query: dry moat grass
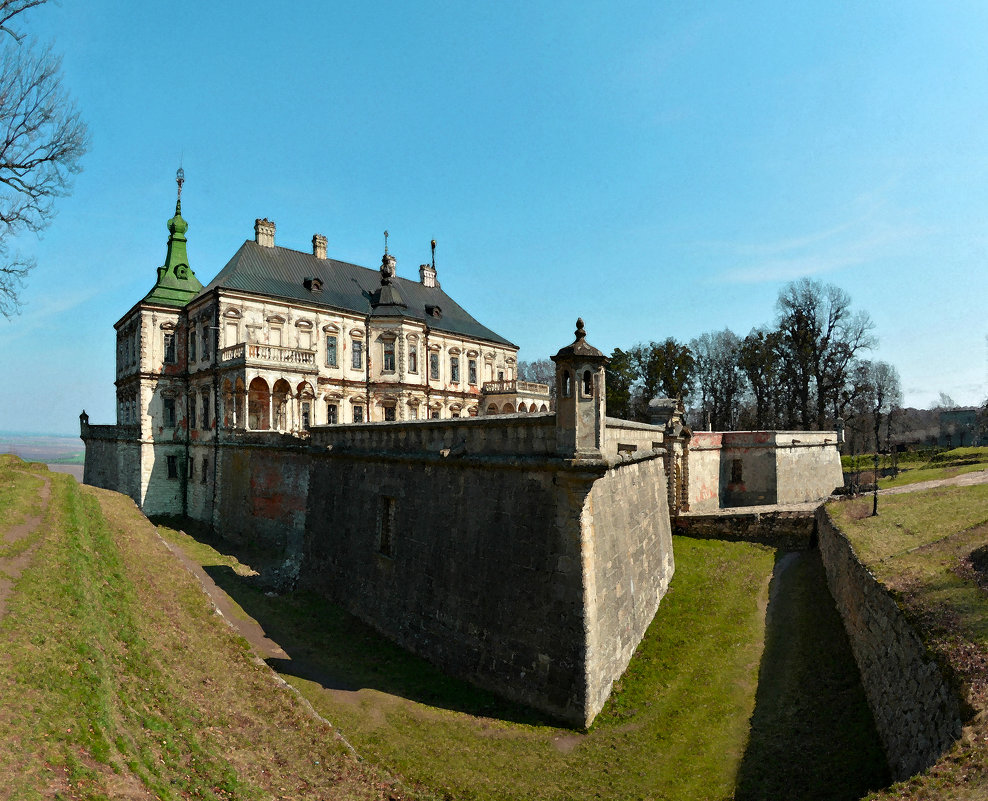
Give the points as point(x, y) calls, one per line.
point(931, 549)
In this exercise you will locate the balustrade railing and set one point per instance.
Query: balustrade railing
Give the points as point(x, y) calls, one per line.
point(514, 386)
point(253, 352)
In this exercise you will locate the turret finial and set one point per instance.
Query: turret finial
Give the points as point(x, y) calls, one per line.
point(580, 333)
point(433, 254)
point(179, 179)
point(385, 243)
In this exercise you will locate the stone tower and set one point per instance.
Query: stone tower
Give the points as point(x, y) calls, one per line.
point(581, 406)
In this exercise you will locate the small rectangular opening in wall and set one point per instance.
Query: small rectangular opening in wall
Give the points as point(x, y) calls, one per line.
point(386, 526)
point(656, 446)
point(623, 448)
point(737, 471)
point(172, 462)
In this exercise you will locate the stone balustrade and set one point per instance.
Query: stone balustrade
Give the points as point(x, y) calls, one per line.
point(514, 386)
point(254, 353)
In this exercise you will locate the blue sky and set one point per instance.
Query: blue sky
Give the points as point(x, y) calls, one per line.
point(661, 169)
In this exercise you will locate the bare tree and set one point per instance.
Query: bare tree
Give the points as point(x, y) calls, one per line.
point(42, 139)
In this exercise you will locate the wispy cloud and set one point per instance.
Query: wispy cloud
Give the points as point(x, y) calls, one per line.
point(837, 247)
point(41, 314)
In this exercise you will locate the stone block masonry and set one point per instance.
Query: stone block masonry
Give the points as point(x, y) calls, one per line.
point(533, 578)
point(917, 714)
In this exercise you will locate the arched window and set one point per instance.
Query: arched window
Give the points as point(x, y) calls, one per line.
point(567, 384)
point(587, 384)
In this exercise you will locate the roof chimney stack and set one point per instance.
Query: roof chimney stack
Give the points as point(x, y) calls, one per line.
point(264, 232)
point(319, 246)
point(427, 272)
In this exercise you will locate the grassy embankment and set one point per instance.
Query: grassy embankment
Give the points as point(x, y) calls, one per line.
point(118, 681)
point(678, 723)
point(920, 465)
point(930, 549)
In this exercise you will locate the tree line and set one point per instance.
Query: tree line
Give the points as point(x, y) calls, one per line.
point(804, 371)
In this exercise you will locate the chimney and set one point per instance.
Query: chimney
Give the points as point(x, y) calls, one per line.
point(264, 233)
point(427, 275)
point(319, 246)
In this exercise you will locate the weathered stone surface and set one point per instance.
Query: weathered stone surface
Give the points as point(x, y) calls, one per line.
point(915, 711)
point(788, 530)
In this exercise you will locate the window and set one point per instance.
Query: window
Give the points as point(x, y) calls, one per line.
point(500, 375)
point(434, 366)
point(169, 407)
point(306, 413)
point(357, 355)
point(567, 384)
point(231, 334)
point(389, 413)
point(331, 350)
point(472, 367)
point(192, 467)
point(192, 411)
point(413, 359)
point(587, 384)
point(205, 469)
point(172, 462)
point(386, 526)
point(435, 414)
point(192, 346)
point(275, 338)
point(358, 414)
point(413, 412)
point(205, 409)
point(169, 348)
point(389, 357)
point(454, 369)
point(737, 471)
point(205, 341)
point(332, 414)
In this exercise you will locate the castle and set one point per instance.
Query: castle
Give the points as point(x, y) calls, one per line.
point(374, 433)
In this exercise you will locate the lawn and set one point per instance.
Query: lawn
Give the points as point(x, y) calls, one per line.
point(117, 680)
point(919, 466)
point(678, 723)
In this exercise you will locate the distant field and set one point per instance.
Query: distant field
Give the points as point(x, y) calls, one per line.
point(46, 448)
point(919, 466)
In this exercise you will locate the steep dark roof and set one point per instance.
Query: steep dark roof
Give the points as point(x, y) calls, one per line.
point(282, 273)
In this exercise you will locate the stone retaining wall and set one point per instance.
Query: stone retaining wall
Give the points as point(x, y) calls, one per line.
point(788, 530)
point(916, 712)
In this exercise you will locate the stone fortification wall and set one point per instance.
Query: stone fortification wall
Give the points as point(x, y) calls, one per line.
point(915, 711)
point(112, 459)
point(628, 564)
point(808, 465)
point(789, 530)
point(261, 488)
point(533, 578)
point(102, 467)
point(626, 437)
point(521, 434)
point(475, 565)
point(754, 468)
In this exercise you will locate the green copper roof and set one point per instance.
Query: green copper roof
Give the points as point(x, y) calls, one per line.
point(177, 284)
point(289, 274)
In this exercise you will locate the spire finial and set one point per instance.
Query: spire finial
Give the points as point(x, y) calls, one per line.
point(433, 254)
point(385, 243)
point(580, 333)
point(179, 179)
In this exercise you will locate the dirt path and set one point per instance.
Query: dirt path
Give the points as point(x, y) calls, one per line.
point(964, 480)
point(11, 567)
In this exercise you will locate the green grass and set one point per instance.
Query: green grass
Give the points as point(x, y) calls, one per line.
point(675, 726)
point(117, 680)
point(921, 546)
point(919, 466)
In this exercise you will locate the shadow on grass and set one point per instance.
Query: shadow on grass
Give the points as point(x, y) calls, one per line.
point(812, 735)
point(333, 648)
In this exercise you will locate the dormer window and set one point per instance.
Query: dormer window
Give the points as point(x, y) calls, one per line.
point(433, 311)
point(313, 284)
